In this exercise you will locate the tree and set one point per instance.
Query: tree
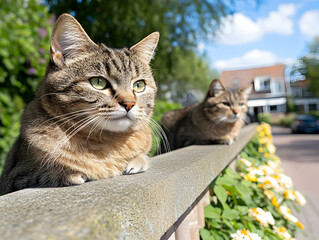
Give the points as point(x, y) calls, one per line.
point(177, 66)
point(308, 66)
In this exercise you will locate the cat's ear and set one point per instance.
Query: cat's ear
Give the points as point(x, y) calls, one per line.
point(245, 91)
point(216, 88)
point(68, 39)
point(145, 48)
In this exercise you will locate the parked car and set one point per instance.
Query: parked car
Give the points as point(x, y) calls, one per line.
point(305, 123)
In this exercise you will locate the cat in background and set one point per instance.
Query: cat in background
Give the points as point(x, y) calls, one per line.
point(90, 116)
point(218, 119)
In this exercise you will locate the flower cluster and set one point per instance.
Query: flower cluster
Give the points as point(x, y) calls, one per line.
point(245, 235)
point(269, 175)
point(252, 202)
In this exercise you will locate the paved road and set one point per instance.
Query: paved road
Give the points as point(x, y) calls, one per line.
point(300, 159)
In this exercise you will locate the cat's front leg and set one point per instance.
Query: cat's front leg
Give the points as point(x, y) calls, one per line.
point(75, 178)
point(137, 165)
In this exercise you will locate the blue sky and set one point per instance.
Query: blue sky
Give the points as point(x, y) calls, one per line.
point(273, 32)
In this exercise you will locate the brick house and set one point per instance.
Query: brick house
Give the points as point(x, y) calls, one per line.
point(269, 87)
point(303, 98)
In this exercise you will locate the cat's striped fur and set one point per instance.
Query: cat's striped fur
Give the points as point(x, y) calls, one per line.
point(72, 132)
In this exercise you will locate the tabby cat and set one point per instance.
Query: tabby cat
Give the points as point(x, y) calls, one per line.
point(89, 119)
point(218, 119)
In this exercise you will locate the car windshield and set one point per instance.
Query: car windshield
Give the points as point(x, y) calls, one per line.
point(306, 117)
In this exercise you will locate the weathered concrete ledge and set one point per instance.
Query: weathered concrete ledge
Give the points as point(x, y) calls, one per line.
point(142, 206)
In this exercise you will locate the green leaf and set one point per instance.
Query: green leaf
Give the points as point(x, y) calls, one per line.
point(220, 193)
point(226, 181)
point(230, 214)
point(216, 234)
point(205, 234)
point(232, 173)
point(211, 212)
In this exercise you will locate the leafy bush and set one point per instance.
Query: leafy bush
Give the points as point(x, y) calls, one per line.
point(160, 108)
point(24, 48)
point(315, 113)
point(287, 120)
point(264, 117)
point(252, 202)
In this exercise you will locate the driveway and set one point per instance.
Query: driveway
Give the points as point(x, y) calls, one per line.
point(300, 159)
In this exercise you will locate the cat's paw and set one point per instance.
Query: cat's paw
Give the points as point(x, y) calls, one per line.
point(76, 179)
point(137, 165)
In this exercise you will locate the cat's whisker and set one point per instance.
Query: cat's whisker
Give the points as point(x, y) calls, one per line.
point(94, 126)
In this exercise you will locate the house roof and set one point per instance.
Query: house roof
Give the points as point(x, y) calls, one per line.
point(246, 76)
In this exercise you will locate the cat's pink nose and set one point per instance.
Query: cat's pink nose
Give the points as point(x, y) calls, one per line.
point(235, 110)
point(127, 104)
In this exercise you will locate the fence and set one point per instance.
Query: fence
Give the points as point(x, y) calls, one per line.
point(166, 202)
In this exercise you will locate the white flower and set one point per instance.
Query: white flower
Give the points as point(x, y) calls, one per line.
point(255, 171)
point(245, 162)
point(300, 198)
point(271, 148)
point(269, 182)
point(265, 218)
point(289, 194)
point(285, 181)
point(282, 232)
point(266, 169)
point(286, 212)
point(245, 235)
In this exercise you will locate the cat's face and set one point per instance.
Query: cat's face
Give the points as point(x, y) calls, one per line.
point(109, 89)
point(223, 105)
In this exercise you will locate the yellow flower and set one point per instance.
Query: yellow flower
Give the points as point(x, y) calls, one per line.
point(261, 134)
point(250, 177)
point(260, 149)
point(269, 194)
point(277, 159)
point(274, 202)
point(299, 224)
point(267, 155)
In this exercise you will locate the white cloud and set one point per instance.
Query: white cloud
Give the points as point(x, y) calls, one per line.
point(253, 58)
point(279, 21)
point(309, 23)
point(240, 29)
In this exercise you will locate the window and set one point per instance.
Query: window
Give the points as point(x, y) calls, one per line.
point(262, 83)
point(312, 107)
point(273, 108)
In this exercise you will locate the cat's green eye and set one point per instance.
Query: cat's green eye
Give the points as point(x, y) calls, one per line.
point(226, 104)
point(99, 83)
point(139, 86)
point(241, 104)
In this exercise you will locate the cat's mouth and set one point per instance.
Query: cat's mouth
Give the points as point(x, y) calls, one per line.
point(116, 118)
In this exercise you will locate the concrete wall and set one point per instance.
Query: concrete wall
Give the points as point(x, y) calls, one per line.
point(151, 205)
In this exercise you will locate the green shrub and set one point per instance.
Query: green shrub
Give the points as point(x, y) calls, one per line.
point(287, 120)
point(315, 113)
point(264, 117)
point(24, 52)
point(160, 108)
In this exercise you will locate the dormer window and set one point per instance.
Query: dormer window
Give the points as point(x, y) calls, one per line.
point(262, 83)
